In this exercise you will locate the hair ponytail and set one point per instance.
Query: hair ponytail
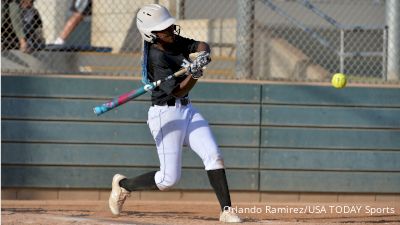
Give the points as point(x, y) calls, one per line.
point(145, 78)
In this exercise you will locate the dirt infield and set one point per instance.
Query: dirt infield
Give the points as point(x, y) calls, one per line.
point(205, 213)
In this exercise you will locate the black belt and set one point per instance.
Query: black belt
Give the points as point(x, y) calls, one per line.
point(171, 102)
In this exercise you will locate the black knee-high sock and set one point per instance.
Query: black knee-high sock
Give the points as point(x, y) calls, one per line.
point(141, 182)
point(220, 185)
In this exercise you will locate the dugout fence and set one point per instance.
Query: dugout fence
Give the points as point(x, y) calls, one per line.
point(302, 40)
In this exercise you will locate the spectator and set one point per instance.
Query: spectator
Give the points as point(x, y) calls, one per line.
point(12, 27)
point(33, 26)
point(80, 8)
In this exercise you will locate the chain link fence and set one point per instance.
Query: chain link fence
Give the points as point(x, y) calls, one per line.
point(289, 40)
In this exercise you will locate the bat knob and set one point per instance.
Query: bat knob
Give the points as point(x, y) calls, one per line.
point(98, 110)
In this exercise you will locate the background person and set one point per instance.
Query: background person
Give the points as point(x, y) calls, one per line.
point(80, 8)
point(33, 25)
point(12, 31)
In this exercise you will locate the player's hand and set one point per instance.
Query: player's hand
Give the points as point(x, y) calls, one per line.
point(195, 68)
point(198, 74)
point(192, 69)
point(202, 59)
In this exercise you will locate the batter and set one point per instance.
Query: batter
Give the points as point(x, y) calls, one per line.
point(172, 119)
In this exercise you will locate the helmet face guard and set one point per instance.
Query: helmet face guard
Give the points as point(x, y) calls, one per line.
point(152, 18)
point(177, 29)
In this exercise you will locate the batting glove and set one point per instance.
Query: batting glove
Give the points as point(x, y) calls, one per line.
point(195, 68)
point(202, 59)
point(192, 69)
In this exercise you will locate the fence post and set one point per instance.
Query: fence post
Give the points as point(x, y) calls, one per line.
point(393, 23)
point(180, 9)
point(244, 38)
point(384, 53)
point(341, 51)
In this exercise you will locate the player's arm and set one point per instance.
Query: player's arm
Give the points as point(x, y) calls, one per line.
point(186, 85)
point(203, 46)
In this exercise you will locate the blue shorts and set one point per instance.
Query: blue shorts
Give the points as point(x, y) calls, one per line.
point(82, 6)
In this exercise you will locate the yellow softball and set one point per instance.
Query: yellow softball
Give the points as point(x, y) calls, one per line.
point(339, 80)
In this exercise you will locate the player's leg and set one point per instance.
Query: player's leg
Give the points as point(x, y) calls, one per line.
point(201, 140)
point(70, 25)
point(141, 182)
point(122, 187)
point(80, 8)
point(168, 128)
point(15, 13)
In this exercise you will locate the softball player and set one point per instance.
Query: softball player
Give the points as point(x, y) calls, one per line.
point(172, 119)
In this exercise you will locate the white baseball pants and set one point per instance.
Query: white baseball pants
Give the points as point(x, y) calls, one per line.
point(173, 126)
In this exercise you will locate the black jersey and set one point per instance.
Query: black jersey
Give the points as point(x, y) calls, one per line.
point(161, 64)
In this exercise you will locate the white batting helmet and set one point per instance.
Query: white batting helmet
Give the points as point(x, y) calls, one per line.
point(153, 17)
